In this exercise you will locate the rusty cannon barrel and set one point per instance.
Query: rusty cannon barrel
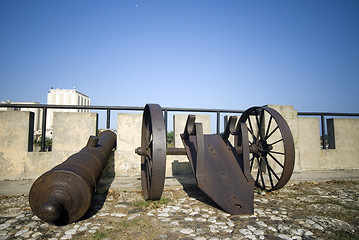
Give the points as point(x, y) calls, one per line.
point(64, 194)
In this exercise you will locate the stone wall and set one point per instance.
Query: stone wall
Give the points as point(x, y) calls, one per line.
point(71, 131)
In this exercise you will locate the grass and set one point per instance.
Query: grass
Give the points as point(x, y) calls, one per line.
point(135, 226)
point(346, 213)
point(134, 222)
point(344, 235)
point(336, 202)
point(343, 182)
point(125, 228)
point(99, 235)
point(151, 203)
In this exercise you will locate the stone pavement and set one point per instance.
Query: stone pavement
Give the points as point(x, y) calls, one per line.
point(300, 210)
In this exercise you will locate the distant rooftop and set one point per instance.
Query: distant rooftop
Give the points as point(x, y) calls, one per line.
point(66, 90)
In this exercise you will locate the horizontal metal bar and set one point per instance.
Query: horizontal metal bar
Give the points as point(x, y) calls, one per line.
point(328, 114)
point(72, 107)
point(123, 108)
point(171, 109)
point(176, 151)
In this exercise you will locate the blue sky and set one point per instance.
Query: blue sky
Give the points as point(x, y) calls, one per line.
point(205, 54)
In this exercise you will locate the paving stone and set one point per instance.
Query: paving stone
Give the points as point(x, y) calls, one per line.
point(277, 216)
point(120, 215)
point(283, 236)
point(19, 233)
point(245, 231)
point(71, 231)
point(258, 232)
point(4, 225)
point(69, 236)
point(251, 228)
point(187, 231)
point(133, 215)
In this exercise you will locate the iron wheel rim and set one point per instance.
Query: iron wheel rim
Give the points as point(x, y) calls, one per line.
point(274, 167)
point(153, 163)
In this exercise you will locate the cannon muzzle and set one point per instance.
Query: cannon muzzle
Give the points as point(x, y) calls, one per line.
point(64, 194)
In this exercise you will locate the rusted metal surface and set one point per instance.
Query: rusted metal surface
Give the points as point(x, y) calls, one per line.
point(215, 164)
point(176, 151)
point(271, 146)
point(263, 147)
point(153, 152)
point(64, 194)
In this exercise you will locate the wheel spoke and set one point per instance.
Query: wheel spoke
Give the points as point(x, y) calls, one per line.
point(148, 173)
point(149, 163)
point(275, 129)
point(263, 183)
point(269, 174)
point(257, 171)
point(269, 123)
point(270, 143)
point(252, 134)
point(258, 125)
point(276, 176)
point(276, 160)
point(251, 166)
point(276, 142)
point(281, 153)
point(251, 129)
point(271, 169)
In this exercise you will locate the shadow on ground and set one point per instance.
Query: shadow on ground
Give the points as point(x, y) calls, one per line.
point(102, 189)
point(191, 188)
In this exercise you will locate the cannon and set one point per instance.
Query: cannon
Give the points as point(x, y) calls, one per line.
point(262, 155)
point(64, 194)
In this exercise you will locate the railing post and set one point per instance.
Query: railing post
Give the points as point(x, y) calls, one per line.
point(323, 130)
point(108, 118)
point(218, 121)
point(165, 119)
point(43, 130)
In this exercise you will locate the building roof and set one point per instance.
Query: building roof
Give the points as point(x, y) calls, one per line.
point(67, 90)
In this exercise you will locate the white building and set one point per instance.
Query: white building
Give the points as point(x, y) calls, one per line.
point(65, 97)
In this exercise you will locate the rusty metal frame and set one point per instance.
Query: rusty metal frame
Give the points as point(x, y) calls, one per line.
point(221, 170)
point(153, 152)
point(217, 169)
point(261, 148)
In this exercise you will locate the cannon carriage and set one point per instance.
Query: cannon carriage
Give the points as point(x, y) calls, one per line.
point(262, 155)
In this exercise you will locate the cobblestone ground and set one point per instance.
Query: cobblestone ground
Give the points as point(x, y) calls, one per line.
point(328, 210)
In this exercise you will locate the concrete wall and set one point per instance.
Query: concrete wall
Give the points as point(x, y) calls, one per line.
point(14, 139)
point(71, 131)
point(344, 156)
point(127, 162)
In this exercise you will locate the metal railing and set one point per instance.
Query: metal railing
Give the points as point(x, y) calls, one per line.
point(322, 116)
point(108, 110)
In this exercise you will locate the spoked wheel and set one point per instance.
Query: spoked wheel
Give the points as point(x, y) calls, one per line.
point(271, 147)
point(153, 146)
